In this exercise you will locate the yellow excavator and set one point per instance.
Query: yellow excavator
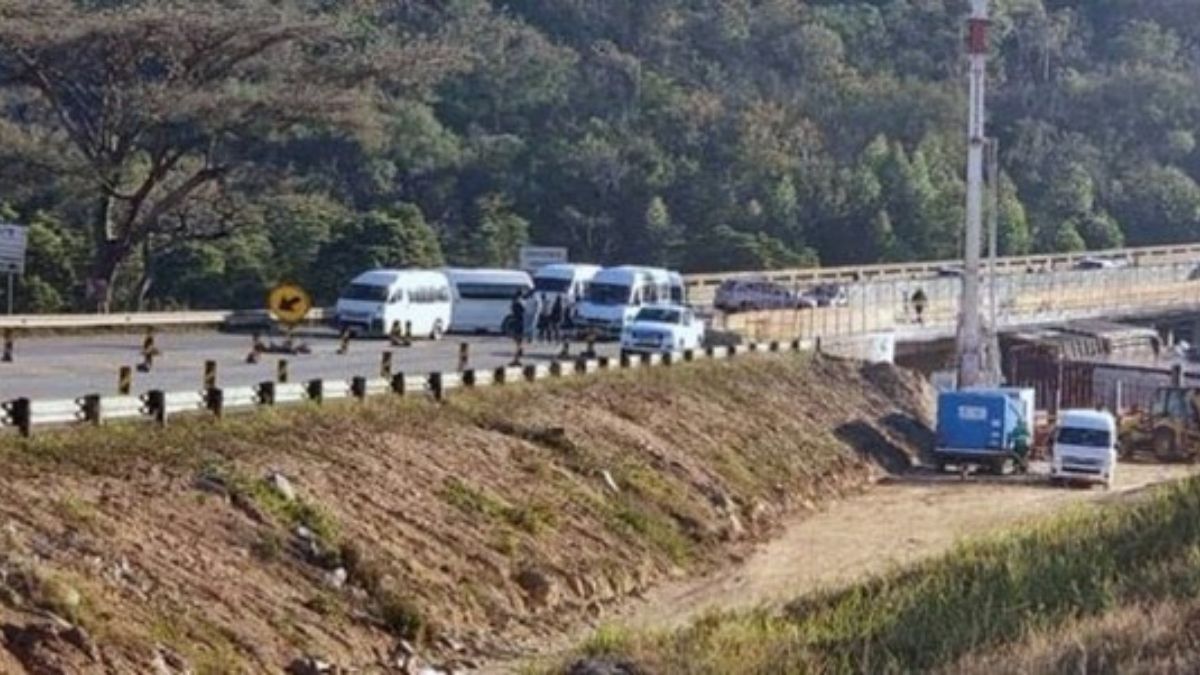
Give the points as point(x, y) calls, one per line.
point(1170, 429)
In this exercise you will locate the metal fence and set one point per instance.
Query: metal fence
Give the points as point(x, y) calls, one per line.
point(25, 416)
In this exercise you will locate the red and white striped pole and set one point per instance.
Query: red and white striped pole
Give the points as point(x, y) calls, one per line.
point(970, 333)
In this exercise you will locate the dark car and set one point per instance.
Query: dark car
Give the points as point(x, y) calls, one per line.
point(828, 295)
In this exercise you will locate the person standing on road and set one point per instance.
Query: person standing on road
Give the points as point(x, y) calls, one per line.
point(533, 311)
point(918, 302)
point(556, 319)
point(517, 311)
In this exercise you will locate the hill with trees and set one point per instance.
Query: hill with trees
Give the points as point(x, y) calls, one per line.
point(190, 153)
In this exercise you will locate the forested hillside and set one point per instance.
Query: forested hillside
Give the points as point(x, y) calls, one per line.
point(191, 152)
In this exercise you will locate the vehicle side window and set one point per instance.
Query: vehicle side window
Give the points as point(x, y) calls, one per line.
point(398, 296)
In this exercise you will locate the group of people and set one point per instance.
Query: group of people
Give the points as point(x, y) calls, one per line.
point(536, 319)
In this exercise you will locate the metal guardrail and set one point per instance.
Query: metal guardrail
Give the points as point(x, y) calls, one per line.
point(25, 416)
point(139, 320)
point(701, 288)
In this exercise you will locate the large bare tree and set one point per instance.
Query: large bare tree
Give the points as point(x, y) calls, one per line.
point(158, 102)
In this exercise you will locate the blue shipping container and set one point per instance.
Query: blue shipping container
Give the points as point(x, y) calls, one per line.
point(976, 422)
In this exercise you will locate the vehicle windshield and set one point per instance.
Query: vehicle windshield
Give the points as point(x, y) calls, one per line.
point(551, 285)
point(660, 315)
point(1091, 438)
point(365, 292)
point(609, 294)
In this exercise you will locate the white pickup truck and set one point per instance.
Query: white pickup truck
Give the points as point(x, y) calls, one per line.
point(662, 328)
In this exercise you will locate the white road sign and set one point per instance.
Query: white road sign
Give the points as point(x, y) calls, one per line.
point(13, 242)
point(534, 258)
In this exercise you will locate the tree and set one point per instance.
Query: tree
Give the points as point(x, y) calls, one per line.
point(395, 238)
point(160, 101)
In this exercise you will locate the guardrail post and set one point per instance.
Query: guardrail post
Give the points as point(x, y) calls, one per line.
point(90, 407)
point(7, 355)
point(398, 384)
point(626, 360)
point(500, 376)
point(124, 381)
point(581, 365)
point(774, 346)
point(315, 390)
point(689, 355)
point(358, 387)
point(436, 386)
point(464, 356)
point(590, 353)
point(149, 351)
point(468, 378)
point(385, 365)
point(266, 393)
point(668, 358)
point(556, 369)
point(214, 400)
point(156, 406)
point(210, 375)
point(19, 415)
point(256, 348)
point(344, 342)
point(603, 362)
point(530, 373)
point(281, 371)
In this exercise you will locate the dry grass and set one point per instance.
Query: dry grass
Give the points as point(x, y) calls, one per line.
point(434, 508)
point(1103, 589)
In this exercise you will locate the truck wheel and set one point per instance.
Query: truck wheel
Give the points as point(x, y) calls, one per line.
point(1164, 445)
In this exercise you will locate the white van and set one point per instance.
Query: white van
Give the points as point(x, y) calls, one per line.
point(377, 300)
point(568, 281)
point(1085, 447)
point(617, 293)
point(483, 298)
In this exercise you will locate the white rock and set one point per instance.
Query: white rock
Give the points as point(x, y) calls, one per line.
point(281, 485)
point(608, 480)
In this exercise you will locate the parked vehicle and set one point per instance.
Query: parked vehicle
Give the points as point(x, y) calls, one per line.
point(1170, 429)
point(616, 294)
point(828, 295)
point(744, 295)
point(981, 428)
point(1085, 447)
point(483, 298)
point(568, 281)
point(378, 300)
point(662, 328)
point(1093, 263)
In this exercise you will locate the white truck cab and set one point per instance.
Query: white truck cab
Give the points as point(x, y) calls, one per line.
point(1085, 447)
point(663, 329)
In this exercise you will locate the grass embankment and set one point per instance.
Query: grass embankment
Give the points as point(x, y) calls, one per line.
point(494, 519)
point(1102, 589)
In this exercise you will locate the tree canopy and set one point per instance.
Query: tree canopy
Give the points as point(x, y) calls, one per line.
point(192, 152)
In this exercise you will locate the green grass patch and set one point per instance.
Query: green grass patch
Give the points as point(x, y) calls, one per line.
point(983, 595)
point(533, 518)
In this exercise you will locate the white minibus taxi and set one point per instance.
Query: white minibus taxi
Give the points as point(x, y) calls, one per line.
point(1085, 447)
point(377, 301)
point(483, 298)
point(568, 281)
point(617, 293)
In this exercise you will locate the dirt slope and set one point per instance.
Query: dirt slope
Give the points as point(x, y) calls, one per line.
point(473, 529)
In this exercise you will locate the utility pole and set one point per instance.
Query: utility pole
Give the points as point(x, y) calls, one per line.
point(970, 334)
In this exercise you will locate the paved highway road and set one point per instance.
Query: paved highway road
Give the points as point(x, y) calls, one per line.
point(73, 366)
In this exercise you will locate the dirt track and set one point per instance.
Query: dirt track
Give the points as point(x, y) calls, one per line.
point(897, 522)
